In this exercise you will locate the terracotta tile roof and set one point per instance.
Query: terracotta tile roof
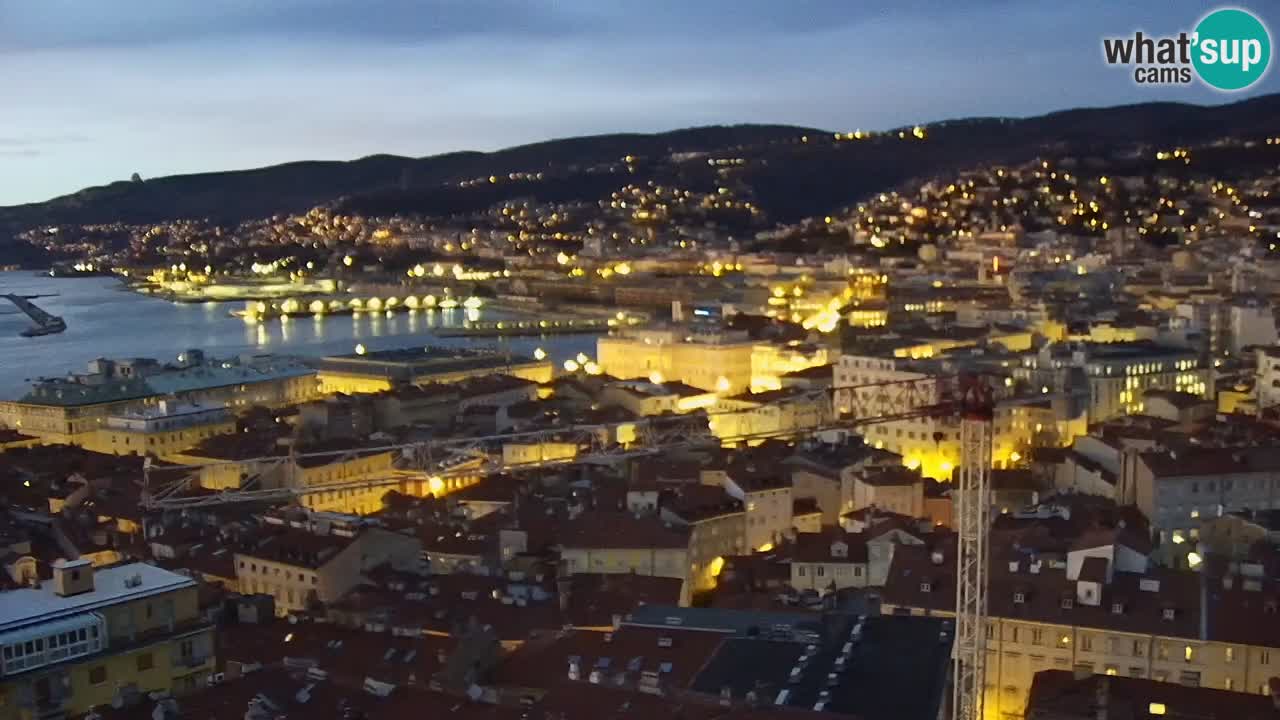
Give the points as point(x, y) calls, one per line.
point(604, 529)
point(544, 662)
point(1060, 695)
point(1186, 462)
point(1038, 596)
point(820, 547)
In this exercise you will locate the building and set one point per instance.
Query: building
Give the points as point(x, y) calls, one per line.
point(717, 529)
point(829, 561)
point(299, 567)
point(70, 409)
point(1065, 695)
point(1183, 408)
point(751, 417)
point(719, 362)
point(894, 489)
point(1177, 489)
point(1267, 382)
point(611, 542)
point(761, 484)
point(1116, 374)
point(1100, 607)
point(159, 430)
point(382, 370)
point(88, 636)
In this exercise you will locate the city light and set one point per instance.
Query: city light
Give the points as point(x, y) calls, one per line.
point(539, 354)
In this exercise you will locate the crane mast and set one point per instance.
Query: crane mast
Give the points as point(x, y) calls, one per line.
point(972, 503)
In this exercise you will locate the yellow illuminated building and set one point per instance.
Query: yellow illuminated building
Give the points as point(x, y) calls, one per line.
point(769, 362)
point(756, 417)
point(374, 372)
point(161, 430)
point(75, 641)
point(722, 364)
point(520, 453)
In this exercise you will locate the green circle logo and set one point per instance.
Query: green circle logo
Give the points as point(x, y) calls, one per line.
point(1232, 49)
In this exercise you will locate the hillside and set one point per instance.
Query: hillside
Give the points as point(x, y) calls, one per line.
point(789, 179)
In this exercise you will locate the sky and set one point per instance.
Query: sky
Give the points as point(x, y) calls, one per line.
point(92, 91)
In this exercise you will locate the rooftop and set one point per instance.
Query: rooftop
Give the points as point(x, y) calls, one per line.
point(111, 585)
point(1063, 695)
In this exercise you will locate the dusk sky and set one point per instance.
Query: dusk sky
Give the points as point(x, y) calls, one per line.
point(95, 90)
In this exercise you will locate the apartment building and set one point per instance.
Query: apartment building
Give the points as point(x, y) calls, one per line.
point(609, 542)
point(159, 430)
point(1178, 489)
point(831, 560)
point(1099, 608)
point(89, 636)
point(717, 529)
point(299, 567)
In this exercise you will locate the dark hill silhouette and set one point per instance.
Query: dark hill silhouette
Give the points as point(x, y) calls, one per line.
point(795, 180)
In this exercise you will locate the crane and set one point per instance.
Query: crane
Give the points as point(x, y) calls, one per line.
point(966, 396)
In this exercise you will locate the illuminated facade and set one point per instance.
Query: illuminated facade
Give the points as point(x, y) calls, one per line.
point(715, 362)
point(160, 430)
point(1098, 609)
point(375, 372)
point(78, 639)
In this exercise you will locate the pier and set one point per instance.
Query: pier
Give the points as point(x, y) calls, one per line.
point(45, 324)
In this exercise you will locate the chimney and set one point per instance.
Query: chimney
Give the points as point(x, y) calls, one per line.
point(72, 577)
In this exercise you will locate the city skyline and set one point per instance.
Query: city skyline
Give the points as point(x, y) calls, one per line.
point(100, 93)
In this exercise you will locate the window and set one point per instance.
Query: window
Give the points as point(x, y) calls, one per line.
point(926, 587)
point(1264, 657)
point(1138, 649)
point(822, 571)
point(97, 675)
point(146, 661)
point(1037, 637)
point(802, 570)
point(1227, 684)
point(1189, 678)
point(1169, 613)
point(1019, 598)
point(1136, 671)
point(1086, 643)
point(1230, 654)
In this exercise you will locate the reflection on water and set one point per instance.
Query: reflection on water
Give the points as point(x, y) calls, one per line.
point(104, 320)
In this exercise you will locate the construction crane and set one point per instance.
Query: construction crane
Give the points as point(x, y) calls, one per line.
point(966, 397)
point(971, 505)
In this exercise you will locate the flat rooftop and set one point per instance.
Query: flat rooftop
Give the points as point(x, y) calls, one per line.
point(30, 606)
point(408, 362)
